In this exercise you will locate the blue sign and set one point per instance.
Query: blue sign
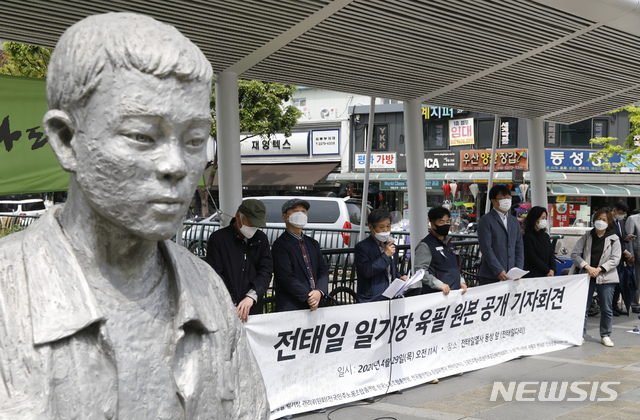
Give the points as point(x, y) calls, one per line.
point(574, 160)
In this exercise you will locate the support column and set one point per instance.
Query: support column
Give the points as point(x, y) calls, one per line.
point(537, 166)
point(367, 168)
point(414, 148)
point(228, 142)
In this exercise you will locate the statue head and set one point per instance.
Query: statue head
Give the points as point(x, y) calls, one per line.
point(129, 117)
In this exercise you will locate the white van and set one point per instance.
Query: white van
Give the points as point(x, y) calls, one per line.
point(31, 207)
point(324, 213)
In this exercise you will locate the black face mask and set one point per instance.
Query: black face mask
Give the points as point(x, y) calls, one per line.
point(442, 230)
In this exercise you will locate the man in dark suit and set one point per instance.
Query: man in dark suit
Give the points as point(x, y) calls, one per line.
point(300, 274)
point(376, 259)
point(620, 210)
point(500, 238)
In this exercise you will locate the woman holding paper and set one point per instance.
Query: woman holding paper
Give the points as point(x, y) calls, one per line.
point(539, 258)
point(598, 253)
point(438, 258)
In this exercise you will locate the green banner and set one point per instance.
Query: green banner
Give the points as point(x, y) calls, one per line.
point(27, 162)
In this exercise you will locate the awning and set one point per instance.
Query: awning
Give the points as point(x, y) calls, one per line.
point(594, 190)
point(290, 174)
point(444, 176)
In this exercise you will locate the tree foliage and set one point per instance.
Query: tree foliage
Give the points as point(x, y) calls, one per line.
point(262, 112)
point(24, 60)
point(629, 150)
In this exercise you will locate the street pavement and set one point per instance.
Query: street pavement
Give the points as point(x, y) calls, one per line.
point(468, 396)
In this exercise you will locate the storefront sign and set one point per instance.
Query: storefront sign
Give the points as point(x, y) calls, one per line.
point(401, 185)
point(438, 112)
point(277, 145)
point(380, 162)
point(506, 160)
point(565, 214)
point(563, 160)
point(325, 142)
point(461, 132)
point(341, 354)
point(440, 161)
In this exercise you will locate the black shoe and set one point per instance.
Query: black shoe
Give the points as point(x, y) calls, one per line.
point(635, 309)
point(616, 312)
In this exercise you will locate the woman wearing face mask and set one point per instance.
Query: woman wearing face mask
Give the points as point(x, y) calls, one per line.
point(376, 259)
point(539, 258)
point(598, 253)
point(437, 257)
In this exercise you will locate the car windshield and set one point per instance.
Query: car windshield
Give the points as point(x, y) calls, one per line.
point(354, 210)
point(319, 212)
point(8, 207)
point(38, 205)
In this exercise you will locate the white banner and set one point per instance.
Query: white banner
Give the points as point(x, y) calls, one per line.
point(340, 354)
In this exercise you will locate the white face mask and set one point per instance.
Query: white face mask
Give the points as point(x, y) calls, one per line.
point(601, 224)
point(247, 231)
point(298, 219)
point(542, 224)
point(382, 236)
point(505, 204)
point(619, 216)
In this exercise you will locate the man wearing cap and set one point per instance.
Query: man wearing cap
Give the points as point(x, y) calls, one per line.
point(301, 275)
point(240, 255)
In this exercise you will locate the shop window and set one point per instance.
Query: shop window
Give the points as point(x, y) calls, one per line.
point(435, 135)
point(299, 102)
point(485, 134)
point(575, 135)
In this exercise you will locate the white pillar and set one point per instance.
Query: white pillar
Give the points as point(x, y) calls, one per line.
point(367, 168)
point(414, 148)
point(228, 142)
point(494, 146)
point(537, 166)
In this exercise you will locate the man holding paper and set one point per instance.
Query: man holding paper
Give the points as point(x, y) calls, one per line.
point(376, 259)
point(438, 258)
point(500, 240)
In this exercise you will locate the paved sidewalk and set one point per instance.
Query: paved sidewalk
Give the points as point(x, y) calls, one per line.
point(468, 396)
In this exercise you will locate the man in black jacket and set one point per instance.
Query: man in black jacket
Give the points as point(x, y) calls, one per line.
point(240, 255)
point(301, 276)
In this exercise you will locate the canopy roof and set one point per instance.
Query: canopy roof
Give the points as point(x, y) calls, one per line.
point(513, 58)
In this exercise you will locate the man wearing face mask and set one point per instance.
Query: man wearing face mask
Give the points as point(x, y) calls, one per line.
point(300, 274)
point(240, 255)
point(437, 257)
point(499, 238)
point(620, 210)
point(376, 259)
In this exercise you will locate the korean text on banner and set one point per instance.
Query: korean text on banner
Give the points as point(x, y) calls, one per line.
point(28, 164)
point(336, 355)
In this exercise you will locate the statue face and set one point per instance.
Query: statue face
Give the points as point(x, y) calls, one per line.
point(140, 150)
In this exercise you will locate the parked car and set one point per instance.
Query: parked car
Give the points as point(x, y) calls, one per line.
point(196, 235)
point(29, 207)
point(324, 213)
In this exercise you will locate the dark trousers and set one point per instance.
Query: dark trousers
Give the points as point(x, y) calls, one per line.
point(486, 280)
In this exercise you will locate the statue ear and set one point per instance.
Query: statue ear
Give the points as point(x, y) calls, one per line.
point(61, 132)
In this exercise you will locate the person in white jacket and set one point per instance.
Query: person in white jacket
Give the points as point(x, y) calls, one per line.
point(598, 253)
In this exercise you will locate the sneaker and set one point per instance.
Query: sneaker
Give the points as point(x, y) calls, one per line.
point(435, 381)
point(582, 341)
point(607, 341)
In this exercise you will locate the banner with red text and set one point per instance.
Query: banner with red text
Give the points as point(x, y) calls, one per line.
point(346, 353)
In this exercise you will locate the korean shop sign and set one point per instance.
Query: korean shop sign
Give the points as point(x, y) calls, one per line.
point(506, 160)
point(440, 161)
point(574, 160)
point(381, 162)
point(276, 145)
point(461, 132)
point(401, 185)
point(440, 112)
